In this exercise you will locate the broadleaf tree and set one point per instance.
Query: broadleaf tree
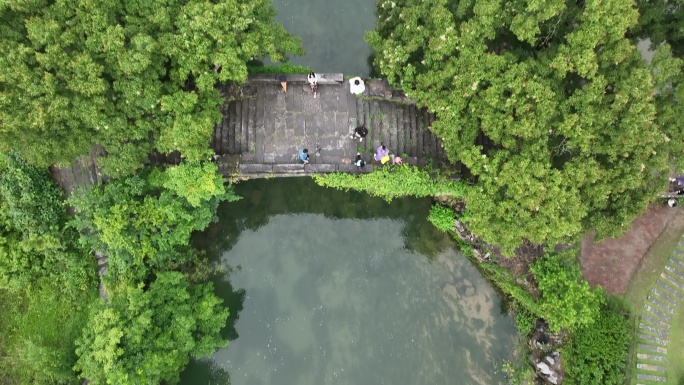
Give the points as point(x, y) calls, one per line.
point(547, 104)
point(133, 76)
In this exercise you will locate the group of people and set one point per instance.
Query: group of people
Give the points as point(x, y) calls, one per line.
point(356, 85)
point(382, 155)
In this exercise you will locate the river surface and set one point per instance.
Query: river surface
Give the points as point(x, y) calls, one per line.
point(328, 287)
point(332, 33)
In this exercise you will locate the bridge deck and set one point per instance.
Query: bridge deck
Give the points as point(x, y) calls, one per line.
point(265, 127)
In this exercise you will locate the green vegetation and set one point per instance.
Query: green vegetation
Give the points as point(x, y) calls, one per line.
point(279, 69)
point(139, 79)
point(566, 301)
point(574, 141)
point(135, 78)
point(442, 217)
point(147, 333)
point(47, 282)
point(597, 353)
point(393, 182)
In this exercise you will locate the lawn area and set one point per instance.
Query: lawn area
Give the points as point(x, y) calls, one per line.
point(640, 286)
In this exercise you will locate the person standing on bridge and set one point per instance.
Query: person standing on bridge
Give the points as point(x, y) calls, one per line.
point(283, 82)
point(313, 83)
point(304, 155)
point(356, 86)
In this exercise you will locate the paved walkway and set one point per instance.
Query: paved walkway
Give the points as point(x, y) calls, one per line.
point(654, 323)
point(265, 128)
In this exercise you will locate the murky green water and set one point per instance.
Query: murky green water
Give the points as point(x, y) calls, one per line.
point(332, 33)
point(327, 287)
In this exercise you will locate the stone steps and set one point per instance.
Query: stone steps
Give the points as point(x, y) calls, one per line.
point(661, 304)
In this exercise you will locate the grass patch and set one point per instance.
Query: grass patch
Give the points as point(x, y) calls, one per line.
point(280, 69)
point(643, 280)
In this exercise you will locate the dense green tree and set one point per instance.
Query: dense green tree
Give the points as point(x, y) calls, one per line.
point(134, 76)
point(661, 21)
point(146, 334)
point(546, 103)
point(144, 227)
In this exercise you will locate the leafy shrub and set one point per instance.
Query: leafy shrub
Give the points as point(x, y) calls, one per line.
point(394, 182)
point(597, 353)
point(146, 335)
point(567, 301)
point(442, 217)
point(280, 69)
point(525, 321)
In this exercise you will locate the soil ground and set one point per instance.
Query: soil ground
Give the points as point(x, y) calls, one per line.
point(611, 263)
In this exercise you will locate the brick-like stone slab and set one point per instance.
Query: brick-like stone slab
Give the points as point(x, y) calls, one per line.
point(655, 340)
point(652, 368)
point(681, 244)
point(350, 168)
point(665, 296)
point(669, 289)
point(320, 168)
point(655, 321)
point(255, 168)
point(657, 312)
point(675, 272)
point(652, 348)
point(662, 305)
point(288, 168)
point(656, 331)
point(672, 281)
point(650, 377)
point(651, 357)
point(677, 263)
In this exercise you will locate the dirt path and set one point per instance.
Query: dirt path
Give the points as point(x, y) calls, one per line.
point(612, 262)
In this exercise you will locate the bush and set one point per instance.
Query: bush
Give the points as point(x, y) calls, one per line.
point(280, 69)
point(597, 353)
point(394, 182)
point(567, 301)
point(442, 217)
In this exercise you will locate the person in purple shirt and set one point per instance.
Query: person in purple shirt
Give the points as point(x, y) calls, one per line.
point(381, 152)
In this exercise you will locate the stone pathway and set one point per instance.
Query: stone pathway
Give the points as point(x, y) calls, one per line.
point(654, 325)
point(265, 127)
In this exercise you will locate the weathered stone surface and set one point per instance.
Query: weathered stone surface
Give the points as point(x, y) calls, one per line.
point(651, 357)
point(657, 312)
point(675, 272)
point(652, 348)
point(669, 289)
point(650, 377)
point(655, 340)
point(662, 305)
point(655, 321)
point(652, 330)
point(255, 168)
point(652, 368)
point(672, 281)
point(677, 263)
point(288, 168)
point(665, 296)
point(321, 168)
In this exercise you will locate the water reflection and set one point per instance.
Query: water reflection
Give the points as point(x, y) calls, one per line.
point(340, 288)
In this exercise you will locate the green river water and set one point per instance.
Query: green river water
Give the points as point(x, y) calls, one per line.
point(328, 287)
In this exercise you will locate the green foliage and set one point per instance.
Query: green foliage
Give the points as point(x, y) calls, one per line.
point(525, 321)
point(393, 182)
point(279, 69)
point(597, 353)
point(572, 139)
point(146, 335)
point(442, 217)
point(144, 227)
point(661, 21)
point(133, 77)
point(39, 326)
point(567, 301)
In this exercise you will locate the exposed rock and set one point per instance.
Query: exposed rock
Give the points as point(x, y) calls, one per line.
point(544, 368)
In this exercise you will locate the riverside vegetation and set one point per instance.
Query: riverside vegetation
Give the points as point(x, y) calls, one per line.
point(561, 127)
point(136, 78)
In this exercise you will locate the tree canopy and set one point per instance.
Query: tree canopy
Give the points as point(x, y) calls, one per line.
point(146, 335)
point(547, 103)
point(133, 76)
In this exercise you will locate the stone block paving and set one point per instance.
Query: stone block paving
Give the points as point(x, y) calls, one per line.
point(267, 127)
point(663, 302)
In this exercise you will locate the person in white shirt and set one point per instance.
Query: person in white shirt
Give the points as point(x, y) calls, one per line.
point(313, 83)
point(356, 85)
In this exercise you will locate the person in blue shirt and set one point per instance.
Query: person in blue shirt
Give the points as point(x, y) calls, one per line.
point(304, 155)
